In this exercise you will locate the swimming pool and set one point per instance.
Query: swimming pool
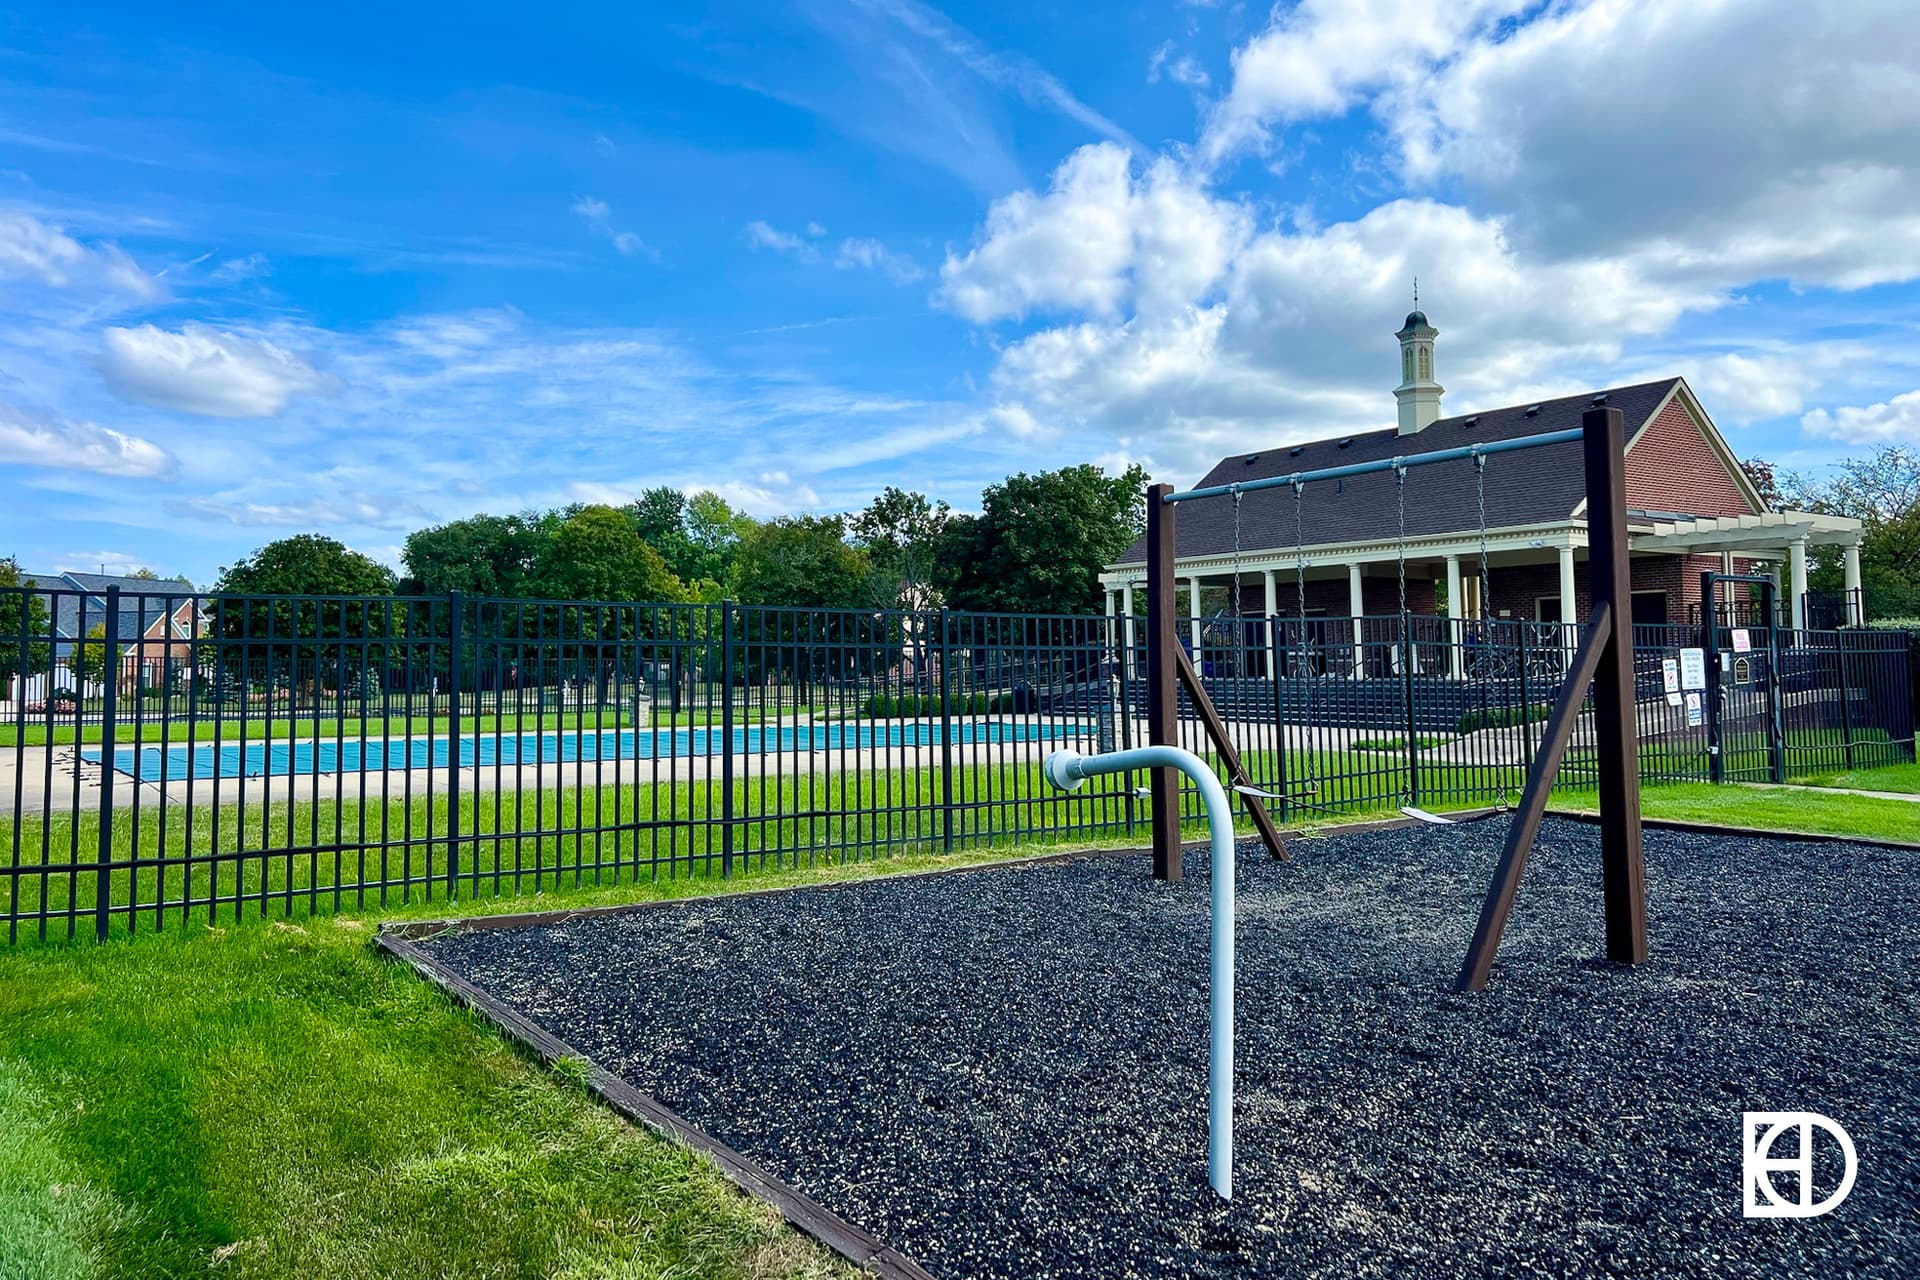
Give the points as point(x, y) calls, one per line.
point(280, 758)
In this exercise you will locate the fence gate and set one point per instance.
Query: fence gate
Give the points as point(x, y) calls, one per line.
point(1746, 738)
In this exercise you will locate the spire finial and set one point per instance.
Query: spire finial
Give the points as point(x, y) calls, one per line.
point(1416, 293)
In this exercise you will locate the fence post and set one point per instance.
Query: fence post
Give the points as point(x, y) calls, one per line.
point(1846, 695)
point(1776, 729)
point(453, 744)
point(1406, 696)
point(1163, 707)
point(1280, 705)
point(946, 741)
point(109, 715)
point(726, 739)
point(1710, 648)
point(1526, 697)
point(1615, 712)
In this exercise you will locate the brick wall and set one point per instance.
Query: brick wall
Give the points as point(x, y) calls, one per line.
point(1517, 588)
point(1671, 467)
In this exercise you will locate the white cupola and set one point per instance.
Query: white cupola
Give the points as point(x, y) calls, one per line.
point(1418, 394)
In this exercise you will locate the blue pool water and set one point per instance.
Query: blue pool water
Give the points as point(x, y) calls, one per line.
point(283, 758)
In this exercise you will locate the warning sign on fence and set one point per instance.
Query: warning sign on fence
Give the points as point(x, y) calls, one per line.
point(1693, 668)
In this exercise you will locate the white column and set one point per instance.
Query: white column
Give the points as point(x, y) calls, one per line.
point(1797, 581)
point(1273, 632)
point(1456, 627)
point(1109, 609)
point(1856, 602)
point(1126, 629)
point(1357, 606)
point(1568, 602)
point(1193, 603)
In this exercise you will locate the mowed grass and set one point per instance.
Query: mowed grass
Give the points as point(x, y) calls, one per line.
point(1783, 809)
point(1903, 778)
point(279, 1101)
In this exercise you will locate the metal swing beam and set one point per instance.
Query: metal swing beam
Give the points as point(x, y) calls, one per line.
point(1605, 659)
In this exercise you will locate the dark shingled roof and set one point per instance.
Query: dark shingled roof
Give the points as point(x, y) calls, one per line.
point(1531, 487)
point(140, 600)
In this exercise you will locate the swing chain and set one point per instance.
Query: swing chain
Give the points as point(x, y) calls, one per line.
point(1400, 497)
point(1480, 497)
point(1239, 636)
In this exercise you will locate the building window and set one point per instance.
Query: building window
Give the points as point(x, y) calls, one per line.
point(1406, 363)
point(1426, 363)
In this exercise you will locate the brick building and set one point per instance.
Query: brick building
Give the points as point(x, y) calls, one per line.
point(1522, 515)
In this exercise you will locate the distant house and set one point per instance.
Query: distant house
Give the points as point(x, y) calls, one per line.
point(1691, 507)
point(156, 623)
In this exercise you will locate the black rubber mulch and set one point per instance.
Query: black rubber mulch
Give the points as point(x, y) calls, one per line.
point(1002, 1072)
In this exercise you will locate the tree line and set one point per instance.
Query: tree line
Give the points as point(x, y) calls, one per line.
point(1037, 546)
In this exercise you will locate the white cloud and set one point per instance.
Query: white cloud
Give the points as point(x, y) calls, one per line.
point(116, 562)
point(1742, 388)
point(1181, 70)
point(379, 511)
point(237, 270)
point(1096, 241)
point(1895, 421)
point(1325, 57)
point(763, 235)
point(51, 441)
point(33, 248)
point(1741, 141)
point(871, 255)
point(599, 215)
point(205, 371)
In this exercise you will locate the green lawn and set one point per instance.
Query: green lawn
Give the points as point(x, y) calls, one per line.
point(1774, 809)
point(278, 1101)
point(1903, 778)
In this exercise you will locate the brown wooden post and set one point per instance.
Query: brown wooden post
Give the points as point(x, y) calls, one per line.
point(1163, 708)
point(1616, 736)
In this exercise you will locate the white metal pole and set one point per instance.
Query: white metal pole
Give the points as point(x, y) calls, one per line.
point(1856, 600)
point(1456, 626)
point(1357, 607)
point(1797, 572)
point(1066, 769)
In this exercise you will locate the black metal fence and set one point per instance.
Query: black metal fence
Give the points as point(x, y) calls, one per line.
point(174, 758)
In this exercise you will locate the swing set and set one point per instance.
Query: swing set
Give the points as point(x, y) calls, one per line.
point(1602, 660)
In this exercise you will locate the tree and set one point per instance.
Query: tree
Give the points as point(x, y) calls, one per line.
point(903, 535)
point(307, 564)
point(286, 641)
point(22, 612)
point(696, 535)
point(802, 561)
point(89, 661)
point(482, 555)
point(1040, 542)
point(596, 554)
point(1883, 493)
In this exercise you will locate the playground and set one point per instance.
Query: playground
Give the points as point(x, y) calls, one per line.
point(1001, 1071)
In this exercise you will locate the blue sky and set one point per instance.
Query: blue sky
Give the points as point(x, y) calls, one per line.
point(262, 274)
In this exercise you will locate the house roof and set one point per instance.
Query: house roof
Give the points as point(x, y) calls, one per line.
point(142, 601)
point(1537, 486)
